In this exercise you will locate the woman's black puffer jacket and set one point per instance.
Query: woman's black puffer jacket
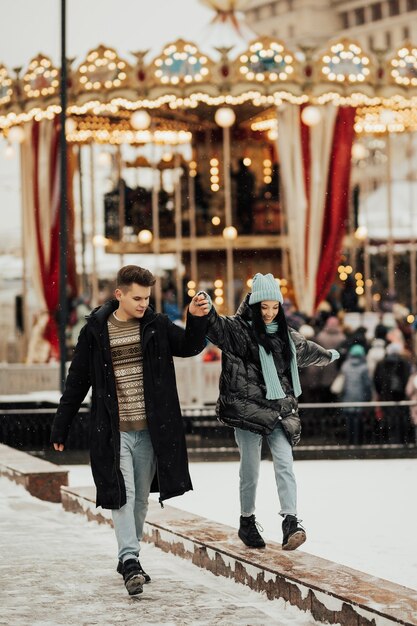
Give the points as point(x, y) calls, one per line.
point(242, 401)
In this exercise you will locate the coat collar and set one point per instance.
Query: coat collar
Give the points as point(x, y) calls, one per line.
point(101, 314)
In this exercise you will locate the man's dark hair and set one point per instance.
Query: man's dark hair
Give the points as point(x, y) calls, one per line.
point(134, 274)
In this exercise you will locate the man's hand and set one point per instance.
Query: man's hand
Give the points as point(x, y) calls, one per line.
point(199, 305)
point(59, 447)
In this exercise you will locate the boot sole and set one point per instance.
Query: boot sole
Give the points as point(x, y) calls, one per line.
point(295, 541)
point(134, 585)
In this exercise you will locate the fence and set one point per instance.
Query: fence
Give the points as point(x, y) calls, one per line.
point(197, 382)
point(27, 425)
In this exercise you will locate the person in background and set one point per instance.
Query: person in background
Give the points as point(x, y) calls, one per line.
point(125, 353)
point(375, 354)
point(357, 387)
point(411, 393)
point(390, 380)
point(331, 337)
point(259, 387)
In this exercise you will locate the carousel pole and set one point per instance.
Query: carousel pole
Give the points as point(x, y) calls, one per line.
point(225, 118)
point(193, 229)
point(413, 269)
point(122, 198)
point(390, 243)
point(84, 281)
point(94, 278)
point(156, 241)
point(63, 239)
point(228, 213)
point(178, 230)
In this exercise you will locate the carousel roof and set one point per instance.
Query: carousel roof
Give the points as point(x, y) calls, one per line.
point(266, 75)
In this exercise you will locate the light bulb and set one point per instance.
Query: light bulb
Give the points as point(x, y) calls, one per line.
point(140, 120)
point(225, 117)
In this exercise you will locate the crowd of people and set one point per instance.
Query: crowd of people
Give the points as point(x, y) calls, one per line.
point(374, 366)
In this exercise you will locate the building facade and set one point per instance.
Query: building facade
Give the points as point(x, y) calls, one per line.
point(381, 25)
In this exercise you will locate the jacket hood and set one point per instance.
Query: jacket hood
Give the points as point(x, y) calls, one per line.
point(244, 311)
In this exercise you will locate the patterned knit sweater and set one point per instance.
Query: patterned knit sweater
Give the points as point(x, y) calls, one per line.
point(127, 357)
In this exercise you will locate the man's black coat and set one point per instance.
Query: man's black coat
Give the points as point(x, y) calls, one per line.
point(92, 367)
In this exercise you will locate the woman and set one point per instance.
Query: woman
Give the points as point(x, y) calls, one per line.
point(259, 385)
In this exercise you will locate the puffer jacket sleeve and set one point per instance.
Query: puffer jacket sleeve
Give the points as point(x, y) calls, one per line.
point(192, 340)
point(226, 332)
point(309, 352)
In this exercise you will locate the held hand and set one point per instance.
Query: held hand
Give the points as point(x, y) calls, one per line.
point(199, 306)
point(334, 354)
point(59, 447)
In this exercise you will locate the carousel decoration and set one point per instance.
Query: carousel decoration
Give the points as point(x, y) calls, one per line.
point(181, 62)
point(41, 78)
point(403, 67)
point(345, 62)
point(5, 86)
point(267, 60)
point(102, 69)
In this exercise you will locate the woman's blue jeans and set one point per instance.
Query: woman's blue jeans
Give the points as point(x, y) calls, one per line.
point(138, 465)
point(250, 445)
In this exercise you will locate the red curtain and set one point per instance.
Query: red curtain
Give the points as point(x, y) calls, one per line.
point(46, 203)
point(337, 203)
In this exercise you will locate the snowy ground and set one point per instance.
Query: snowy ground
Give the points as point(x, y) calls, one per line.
point(58, 569)
point(362, 514)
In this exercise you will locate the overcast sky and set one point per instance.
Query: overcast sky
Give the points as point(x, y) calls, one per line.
point(33, 26)
point(29, 27)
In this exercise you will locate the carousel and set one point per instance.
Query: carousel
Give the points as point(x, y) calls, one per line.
point(230, 163)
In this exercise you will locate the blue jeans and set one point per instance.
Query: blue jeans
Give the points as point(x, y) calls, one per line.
point(138, 465)
point(250, 445)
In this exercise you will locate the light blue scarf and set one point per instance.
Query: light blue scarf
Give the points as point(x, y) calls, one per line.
point(274, 390)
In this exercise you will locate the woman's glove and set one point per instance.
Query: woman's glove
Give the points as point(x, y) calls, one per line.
point(334, 354)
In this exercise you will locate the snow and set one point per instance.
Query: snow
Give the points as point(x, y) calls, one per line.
point(360, 513)
point(58, 569)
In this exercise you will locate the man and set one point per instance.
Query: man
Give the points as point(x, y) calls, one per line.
point(137, 444)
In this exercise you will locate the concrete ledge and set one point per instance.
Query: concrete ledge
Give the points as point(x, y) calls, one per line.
point(41, 478)
point(331, 592)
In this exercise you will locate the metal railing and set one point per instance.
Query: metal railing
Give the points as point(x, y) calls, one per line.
point(27, 425)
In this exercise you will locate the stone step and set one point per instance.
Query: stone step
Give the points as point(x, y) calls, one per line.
point(331, 592)
point(41, 478)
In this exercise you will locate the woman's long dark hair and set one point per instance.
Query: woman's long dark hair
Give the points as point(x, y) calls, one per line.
point(261, 336)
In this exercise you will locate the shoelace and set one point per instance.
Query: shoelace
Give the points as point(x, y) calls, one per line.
point(254, 529)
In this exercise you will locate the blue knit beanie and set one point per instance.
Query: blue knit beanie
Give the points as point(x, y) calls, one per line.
point(357, 350)
point(265, 287)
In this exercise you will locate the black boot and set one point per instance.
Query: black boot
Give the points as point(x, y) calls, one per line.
point(249, 534)
point(132, 577)
point(294, 534)
point(146, 576)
